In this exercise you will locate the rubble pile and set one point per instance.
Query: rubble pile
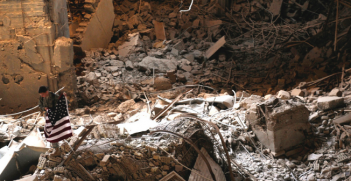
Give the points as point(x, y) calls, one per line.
point(240, 50)
point(301, 134)
point(123, 157)
point(259, 92)
point(107, 76)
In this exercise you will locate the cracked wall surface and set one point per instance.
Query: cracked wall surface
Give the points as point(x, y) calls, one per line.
point(94, 30)
point(35, 50)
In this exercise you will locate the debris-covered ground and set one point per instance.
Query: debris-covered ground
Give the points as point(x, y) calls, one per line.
point(258, 92)
point(296, 135)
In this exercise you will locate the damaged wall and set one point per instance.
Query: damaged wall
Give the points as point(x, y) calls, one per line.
point(94, 30)
point(30, 53)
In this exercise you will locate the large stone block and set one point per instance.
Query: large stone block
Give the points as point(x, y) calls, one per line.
point(160, 65)
point(325, 103)
point(285, 126)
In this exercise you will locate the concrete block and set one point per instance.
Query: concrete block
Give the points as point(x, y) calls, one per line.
point(325, 103)
point(335, 92)
point(285, 126)
point(127, 47)
point(343, 119)
point(297, 92)
point(105, 160)
point(283, 95)
point(160, 65)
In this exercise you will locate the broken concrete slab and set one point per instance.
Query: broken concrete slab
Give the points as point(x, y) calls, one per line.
point(215, 47)
point(253, 99)
point(226, 100)
point(173, 176)
point(100, 24)
point(326, 103)
point(201, 167)
point(275, 7)
point(125, 106)
point(141, 125)
point(297, 92)
point(343, 119)
point(116, 63)
point(335, 92)
point(286, 122)
point(19, 158)
point(129, 46)
point(177, 48)
point(159, 65)
point(129, 65)
point(313, 157)
point(283, 95)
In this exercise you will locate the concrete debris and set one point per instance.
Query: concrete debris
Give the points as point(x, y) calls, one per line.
point(287, 120)
point(275, 7)
point(159, 65)
point(137, 60)
point(130, 46)
point(326, 103)
point(201, 167)
point(172, 176)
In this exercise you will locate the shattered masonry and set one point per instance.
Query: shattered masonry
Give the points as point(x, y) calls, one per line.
point(229, 90)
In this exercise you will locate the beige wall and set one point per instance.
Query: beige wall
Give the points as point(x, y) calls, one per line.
point(32, 53)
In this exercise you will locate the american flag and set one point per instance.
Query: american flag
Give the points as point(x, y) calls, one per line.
point(58, 126)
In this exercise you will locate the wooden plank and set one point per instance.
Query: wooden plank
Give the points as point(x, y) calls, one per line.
point(159, 30)
point(215, 47)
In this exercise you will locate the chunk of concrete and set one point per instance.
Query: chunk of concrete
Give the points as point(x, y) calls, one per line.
point(335, 92)
point(343, 119)
point(285, 126)
point(129, 65)
point(326, 103)
point(297, 92)
point(253, 99)
point(125, 106)
point(91, 77)
point(117, 63)
point(129, 46)
point(160, 65)
point(283, 95)
point(275, 7)
point(203, 169)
